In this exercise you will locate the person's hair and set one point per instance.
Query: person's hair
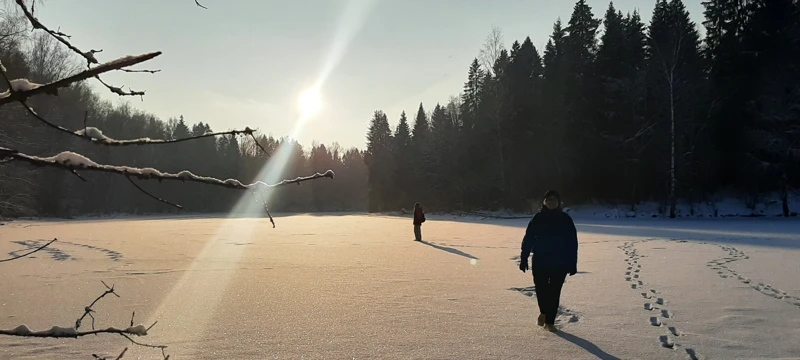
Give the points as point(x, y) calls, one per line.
point(416, 205)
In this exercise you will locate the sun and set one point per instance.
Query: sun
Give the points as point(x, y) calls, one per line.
point(309, 102)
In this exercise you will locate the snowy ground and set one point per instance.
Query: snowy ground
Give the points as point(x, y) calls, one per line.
point(357, 286)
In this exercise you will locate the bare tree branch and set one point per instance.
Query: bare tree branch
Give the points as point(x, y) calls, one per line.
point(105, 358)
point(88, 310)
point(89, 55)
point(28, 253)
point(119, 91)
point(152, 196)
point(140, 71)
point(52, 88)
point(198, 4)
point(72, 161)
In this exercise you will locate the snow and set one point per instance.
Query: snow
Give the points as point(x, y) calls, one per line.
point(72, 159)
point(23, 85)
point(357, 286)
point(94, 133)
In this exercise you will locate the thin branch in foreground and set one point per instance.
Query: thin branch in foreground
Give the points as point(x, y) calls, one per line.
point(96, 136)
point(89, 55)
point(119, 91)
point(140, 71)
point(152, 196)
point(88, 310)
point(28, 253)
point(52, 88)
point(105, 358)
point(198, 4)
point(71, 161)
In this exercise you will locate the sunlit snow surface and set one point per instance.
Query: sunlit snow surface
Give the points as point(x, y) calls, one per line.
point(358, 286)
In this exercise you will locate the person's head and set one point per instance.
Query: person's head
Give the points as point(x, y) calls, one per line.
point(417, 206)
point(552, 200)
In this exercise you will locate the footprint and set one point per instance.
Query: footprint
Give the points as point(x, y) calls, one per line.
point(655, 321)
point(674, 331)
point(636, 276)
point(627, 273)
point(653, 291)
point(692, 354)
point(637, 270)
point(640, 282)
point(528, 294)
point(633, 286)
point(666, 314)
point(667, 342)
point(630, 267)
point(646, 295)
point(660, 301)
point(627, 278)
point(648, 306)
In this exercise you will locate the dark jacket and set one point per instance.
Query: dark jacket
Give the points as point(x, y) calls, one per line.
point(553, 239)
point(419, 217)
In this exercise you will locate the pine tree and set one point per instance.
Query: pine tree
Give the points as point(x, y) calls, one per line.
point(402, 158)
point(379, 162)
point(471, 96)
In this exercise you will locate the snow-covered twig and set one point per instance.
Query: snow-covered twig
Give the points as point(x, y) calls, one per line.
point(52, 88)
point(28, 253)
point(71, 161)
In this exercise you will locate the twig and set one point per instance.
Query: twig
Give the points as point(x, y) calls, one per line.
point(142, 141)
point(28, 253)
point(88, 310)
point(118, 90)
point(117, 358)
point(152, 196)
point(69, 333)
point(198, 4)
point(52, 88)
point(89, 56)
point(140, 71)
point(73, 161)
point(252, 135)
point(79, 176)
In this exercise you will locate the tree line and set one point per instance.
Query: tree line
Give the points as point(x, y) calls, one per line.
point(26, 191)
point(635, 112)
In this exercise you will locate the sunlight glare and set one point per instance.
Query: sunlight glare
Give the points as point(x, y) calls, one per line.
point(309, 102)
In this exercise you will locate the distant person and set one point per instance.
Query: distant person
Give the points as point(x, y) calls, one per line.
point(419, 218)
point(553, 239)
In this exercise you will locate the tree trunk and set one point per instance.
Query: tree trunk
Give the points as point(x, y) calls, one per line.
point(785, 197)
point(672, 178)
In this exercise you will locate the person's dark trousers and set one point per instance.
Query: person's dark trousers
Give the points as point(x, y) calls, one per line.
point(548, 292)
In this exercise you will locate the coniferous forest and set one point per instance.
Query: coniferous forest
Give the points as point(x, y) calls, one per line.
point(613, 109)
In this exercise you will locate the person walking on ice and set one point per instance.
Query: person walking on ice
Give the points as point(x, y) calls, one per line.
point(419, 218)
point(552, 238)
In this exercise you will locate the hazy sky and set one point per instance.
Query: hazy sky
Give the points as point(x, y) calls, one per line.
point(245, 62)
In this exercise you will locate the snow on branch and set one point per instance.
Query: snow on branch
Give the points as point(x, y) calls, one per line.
point(28, 253)
point(68, 160)
point(73, 332)
point(27, 90)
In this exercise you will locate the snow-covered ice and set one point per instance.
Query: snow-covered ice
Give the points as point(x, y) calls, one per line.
point(357, 286)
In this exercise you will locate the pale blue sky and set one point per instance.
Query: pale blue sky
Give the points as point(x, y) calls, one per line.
point(244, 63)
